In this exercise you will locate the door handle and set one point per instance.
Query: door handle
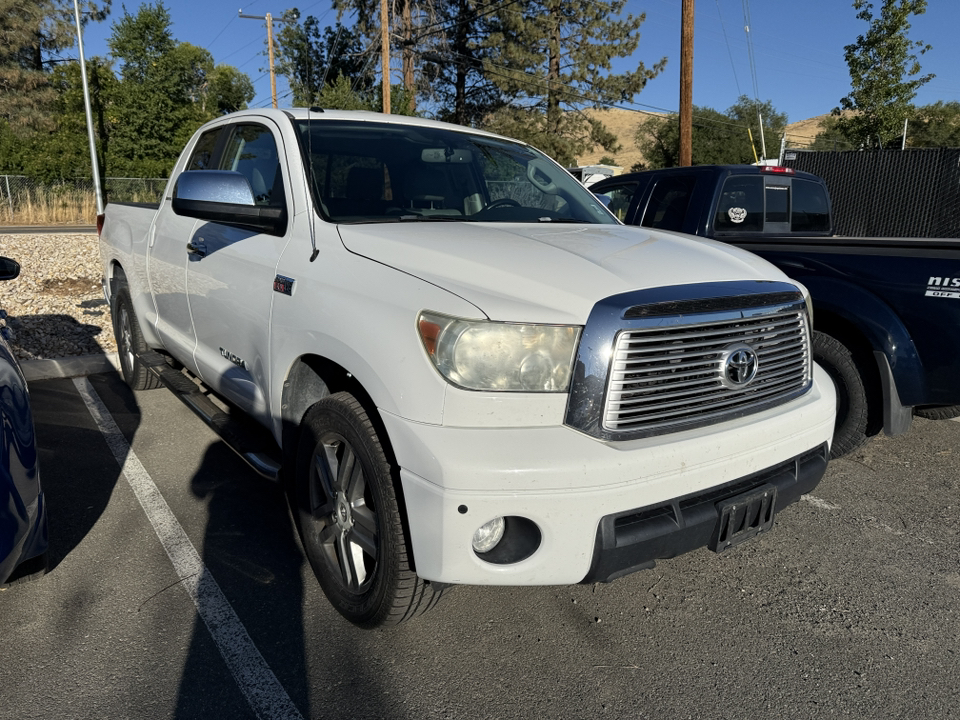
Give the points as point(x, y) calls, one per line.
point(199, 249)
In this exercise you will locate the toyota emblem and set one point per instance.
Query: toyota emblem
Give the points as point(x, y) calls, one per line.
point(738, 366)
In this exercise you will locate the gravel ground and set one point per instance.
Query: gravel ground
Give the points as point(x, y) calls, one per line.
point(56, 307)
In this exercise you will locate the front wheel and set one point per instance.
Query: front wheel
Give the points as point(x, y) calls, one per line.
point(349, 518)
point(130, 343)
point(850, 431)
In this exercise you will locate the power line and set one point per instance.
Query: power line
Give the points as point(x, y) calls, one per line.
point(753, 64)
point(729, 51)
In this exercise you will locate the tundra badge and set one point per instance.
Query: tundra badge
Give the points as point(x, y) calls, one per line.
point(236, 360)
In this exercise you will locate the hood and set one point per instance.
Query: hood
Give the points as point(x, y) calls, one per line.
point(549, 273)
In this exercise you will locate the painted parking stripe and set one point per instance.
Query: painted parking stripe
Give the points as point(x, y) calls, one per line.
point(256, 680)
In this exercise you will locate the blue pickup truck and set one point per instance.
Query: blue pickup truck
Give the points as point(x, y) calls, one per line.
point(886, 310)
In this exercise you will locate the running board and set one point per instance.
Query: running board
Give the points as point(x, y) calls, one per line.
point(245, 437)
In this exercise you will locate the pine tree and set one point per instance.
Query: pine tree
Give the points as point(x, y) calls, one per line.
point(405, 20)
point(33, 36)
point(312, 58)
point(880, 63)
point(556, 57)
point(454, 66)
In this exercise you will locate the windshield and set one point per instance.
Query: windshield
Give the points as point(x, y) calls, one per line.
point(366, 172)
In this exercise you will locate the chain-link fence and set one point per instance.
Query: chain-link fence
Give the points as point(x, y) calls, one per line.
point(25, 201)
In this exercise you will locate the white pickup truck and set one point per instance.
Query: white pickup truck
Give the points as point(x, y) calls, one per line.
point(462, 366)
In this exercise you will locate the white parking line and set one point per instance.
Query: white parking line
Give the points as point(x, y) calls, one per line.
point(817, 502)
point(256, 680)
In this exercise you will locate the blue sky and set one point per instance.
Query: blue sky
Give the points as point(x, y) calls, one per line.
point(797, 44)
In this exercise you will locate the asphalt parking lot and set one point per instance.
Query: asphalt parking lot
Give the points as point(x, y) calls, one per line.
point(208, 609)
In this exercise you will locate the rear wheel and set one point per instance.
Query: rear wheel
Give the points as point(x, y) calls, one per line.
point(349, 518)
point(850, 431)
point(938, 412)
point(130, 343)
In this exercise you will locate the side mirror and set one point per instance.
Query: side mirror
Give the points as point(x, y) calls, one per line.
point(9, 269)
point(605, 199)
point(223, 196)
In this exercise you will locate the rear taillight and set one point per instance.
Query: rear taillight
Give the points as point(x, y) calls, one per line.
point(99, 224)
point(777, 169)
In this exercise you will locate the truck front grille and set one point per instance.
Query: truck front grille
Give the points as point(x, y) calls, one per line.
point(662, 377)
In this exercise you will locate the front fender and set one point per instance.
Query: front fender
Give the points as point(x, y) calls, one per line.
point(880, 326)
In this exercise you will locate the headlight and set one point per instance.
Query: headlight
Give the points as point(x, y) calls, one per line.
point(484, 355)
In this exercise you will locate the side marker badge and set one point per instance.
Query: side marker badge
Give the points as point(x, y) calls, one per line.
point(283, 285)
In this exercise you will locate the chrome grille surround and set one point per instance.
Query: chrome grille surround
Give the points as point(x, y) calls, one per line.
point(658, 362)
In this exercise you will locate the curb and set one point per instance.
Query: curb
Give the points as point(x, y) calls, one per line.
point(68, 367)
point(47, 229)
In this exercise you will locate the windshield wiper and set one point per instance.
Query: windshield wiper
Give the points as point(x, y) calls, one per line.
point(432, 218)
point(405, 218)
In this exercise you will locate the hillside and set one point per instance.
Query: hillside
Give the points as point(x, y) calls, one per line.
point(624, 124)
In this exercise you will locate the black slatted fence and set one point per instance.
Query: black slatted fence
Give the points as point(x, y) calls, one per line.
point(889, 193)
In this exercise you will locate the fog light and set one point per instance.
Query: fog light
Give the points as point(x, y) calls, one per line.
point(488, 535)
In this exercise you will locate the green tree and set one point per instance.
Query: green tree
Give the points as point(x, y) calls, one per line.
point(881, 63)
point(718, 138)
point(64, 152)
point(453, 67)
point(342, 95)
point(555, 58)
point(167, 89)
point(406, 17)
point(311, 58)
point(227, 90)
point(830, 138)
point(936, 125)
point(33, 34)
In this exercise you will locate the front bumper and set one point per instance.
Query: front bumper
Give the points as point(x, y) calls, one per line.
point(635, 539)
point(566, 484)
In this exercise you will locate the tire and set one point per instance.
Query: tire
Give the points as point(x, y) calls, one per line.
point(938, 412)
point(349, 518)
point(130, 343)
point(28, 571)
point(850, 431)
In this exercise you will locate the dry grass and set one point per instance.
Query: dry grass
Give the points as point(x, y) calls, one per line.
point(58, 206)
point(803, 132)
point(624, 124)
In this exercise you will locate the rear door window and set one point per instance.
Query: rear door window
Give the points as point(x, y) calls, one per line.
point(668, 203)
point(741, 204)
point(810, 211)
point(252, 152)
point(202, 156)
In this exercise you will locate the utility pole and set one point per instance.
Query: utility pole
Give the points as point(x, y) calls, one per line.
point(385, 56)
point(273, 77)
point(686, 84)
point(95, 166)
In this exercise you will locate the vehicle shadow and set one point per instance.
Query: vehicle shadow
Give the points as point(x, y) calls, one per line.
point(251, 549)
point(77, 486)
point(58, 335)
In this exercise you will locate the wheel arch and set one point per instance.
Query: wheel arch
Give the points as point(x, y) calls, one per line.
point(850, 336)
point(855, 316)
point(310, 379)
point(313, 377)
point(115, 277)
